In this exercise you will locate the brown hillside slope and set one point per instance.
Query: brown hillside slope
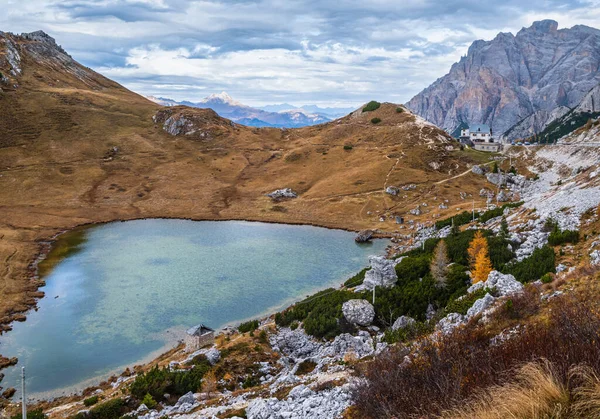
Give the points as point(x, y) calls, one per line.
point(77, 148)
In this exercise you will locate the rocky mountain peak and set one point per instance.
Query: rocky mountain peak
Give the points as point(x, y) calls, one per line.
point(515, 80)
point(546, 26)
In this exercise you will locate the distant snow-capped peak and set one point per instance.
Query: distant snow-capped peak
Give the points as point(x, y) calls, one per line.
point(222, 97)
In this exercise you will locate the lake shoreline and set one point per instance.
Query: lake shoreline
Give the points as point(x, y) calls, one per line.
point(45, 247)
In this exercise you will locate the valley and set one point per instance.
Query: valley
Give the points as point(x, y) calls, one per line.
point(492, 255)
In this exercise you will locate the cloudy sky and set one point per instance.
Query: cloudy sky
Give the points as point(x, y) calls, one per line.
point(342, 52)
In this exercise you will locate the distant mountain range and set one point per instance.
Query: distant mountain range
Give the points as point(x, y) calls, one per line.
point(280, 116)
point(517, 84)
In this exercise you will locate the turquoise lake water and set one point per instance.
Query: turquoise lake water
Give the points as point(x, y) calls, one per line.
point(133, 287)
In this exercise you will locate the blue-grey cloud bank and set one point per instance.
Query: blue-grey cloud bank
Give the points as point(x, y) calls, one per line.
point(337, 53)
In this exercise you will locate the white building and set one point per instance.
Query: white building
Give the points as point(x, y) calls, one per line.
point(480, 137)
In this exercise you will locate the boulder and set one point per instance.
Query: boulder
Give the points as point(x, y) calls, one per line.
point(359, 312)
point(282, 193)
point(213, 355)
point(503, 196)
point(360, 345)
point(478, 170)
point(392, 190)
point(595, 257)
point(450, 322)
point(416, 211)
point(363, 236)
point(381, 274)
point(187, 398)
point(402, 322)
point(480, 306)
point(485, 192)
point(505, 284)
point(497, 179)
point(294, 343)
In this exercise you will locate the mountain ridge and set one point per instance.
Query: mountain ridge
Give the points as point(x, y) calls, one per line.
point(238, 112)
point(515, 79)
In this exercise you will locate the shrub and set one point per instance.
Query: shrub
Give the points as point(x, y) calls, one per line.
point(547, 278)
point(558, 237)
point(399, 110)
point(464, 217)
point(542, 261)
point(90, 401)
point(495, 167)
point(305, 367)
point(111, 409)
point(347, 147)
point(452, 368)
point(249, 326)
point(375, 120)
point(371, 106)
point(320, 313)
point(410, 332)
point(357, 279)
point(149, 401)
point(462, 305)
point(33, 414)
point(156, 382)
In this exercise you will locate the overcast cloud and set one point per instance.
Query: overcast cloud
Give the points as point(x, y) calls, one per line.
point(342, 52)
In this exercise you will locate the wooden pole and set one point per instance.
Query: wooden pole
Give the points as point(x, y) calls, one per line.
point(23, 397)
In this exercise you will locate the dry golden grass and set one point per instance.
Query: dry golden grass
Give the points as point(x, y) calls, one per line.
point(535, 393)
point(56, 171)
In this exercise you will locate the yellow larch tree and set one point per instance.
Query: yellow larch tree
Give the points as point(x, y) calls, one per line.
point(479, 258)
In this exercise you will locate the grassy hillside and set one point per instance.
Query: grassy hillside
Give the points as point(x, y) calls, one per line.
point(77, 148)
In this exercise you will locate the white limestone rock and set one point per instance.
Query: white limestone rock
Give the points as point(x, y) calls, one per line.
point(359, 312)
point(283, 193)
point(480, 306)
point(381, 274)
point(392, 190)
point(505, 284)
point(450, 322)
point(402, 322)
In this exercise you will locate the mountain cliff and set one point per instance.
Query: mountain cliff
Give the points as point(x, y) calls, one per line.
point(571, 121)
point(521, 82)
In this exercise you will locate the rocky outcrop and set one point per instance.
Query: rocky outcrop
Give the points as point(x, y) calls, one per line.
point(479, 306)
point(506, 80)
point(200, 124)
point(403, 322)
point(359, 312)
point(479, 170)
point(381, 274)
point(392, 190)
point(497, 179)
point(283, 193)
point(363, 236)
point(504, 284)
point(302, 402)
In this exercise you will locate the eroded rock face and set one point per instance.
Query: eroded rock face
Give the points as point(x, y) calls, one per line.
point(381, 274)
point(201, 124)
point(504, 81)
point(359, 312)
